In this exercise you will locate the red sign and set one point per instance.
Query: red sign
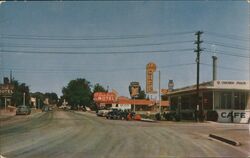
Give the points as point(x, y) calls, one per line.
point(104, 97)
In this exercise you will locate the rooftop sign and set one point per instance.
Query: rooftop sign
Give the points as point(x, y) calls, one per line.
point(104, 97)
point(227, 84)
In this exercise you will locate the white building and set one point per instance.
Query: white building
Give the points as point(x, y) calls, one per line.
point(231, 99)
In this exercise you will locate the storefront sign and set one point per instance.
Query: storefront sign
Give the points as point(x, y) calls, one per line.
point(125, 106)
point(164, 91)
point(150, 69)
point(231, 84)
point(235, 116)
point(104, 97)
point(170, 85)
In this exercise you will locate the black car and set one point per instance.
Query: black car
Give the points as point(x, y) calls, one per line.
point(117, 115)
point(114, 115)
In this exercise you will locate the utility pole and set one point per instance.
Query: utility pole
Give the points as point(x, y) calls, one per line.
point(23, 98)
point(198, 50)
point(160, 92)
point(10, 76)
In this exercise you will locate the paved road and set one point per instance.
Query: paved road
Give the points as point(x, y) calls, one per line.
point(67, 134)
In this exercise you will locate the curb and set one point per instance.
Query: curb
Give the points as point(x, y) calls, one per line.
point(225, 140)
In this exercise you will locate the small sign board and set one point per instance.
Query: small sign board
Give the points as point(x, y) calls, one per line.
point(134, 89)
point(6, 89)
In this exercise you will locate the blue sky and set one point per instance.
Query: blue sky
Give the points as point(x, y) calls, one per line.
point(164, 30)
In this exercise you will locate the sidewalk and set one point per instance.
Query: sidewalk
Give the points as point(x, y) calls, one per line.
point(9, 117)
point(6, 114)
point(234, 132)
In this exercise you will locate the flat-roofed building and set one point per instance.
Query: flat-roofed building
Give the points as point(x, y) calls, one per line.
point(231, 99)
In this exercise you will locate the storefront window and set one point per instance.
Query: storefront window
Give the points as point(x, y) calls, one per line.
point(185, 103)
point(226, 100)
point(208, 100)
point(239, 100)
point(174, 103)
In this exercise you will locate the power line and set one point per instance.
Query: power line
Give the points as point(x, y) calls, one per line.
point(92, 70)
point(224, 67)
point(100, 46)
point(227, 45)
point(99, 53)
point(228, 36)
point(226, 53)
point(39, 37)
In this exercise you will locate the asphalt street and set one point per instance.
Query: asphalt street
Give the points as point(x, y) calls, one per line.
point(68, 134)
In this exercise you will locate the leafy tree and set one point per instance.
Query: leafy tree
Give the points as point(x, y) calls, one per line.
point(39, 97)
point(142, 95)
point(77, 92)
point(98, 88)
point(60, 101)
point(19, 90)
point(53, 98)
point(164, 97)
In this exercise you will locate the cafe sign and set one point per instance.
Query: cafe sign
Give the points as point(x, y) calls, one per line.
point(233, 116)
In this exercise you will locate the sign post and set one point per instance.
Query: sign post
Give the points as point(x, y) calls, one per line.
point(160, 92)
point(5, 103)
point(23, 98)
point(134, 90)
point(6, 90)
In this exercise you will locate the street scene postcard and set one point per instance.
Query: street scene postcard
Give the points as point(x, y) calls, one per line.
point(125, 79)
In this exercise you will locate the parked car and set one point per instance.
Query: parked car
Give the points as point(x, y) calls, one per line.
point(113, 115)
point(102, 113)
point(117, 115)
point(23, 110)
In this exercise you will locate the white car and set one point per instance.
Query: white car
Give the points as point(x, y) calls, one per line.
point(103, 113)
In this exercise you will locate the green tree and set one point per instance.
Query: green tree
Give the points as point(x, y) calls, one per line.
point(164, 97)
point(142, 95)
point(78, 92)
point(39, 98)
point(98, 88)
point(53, 98)
point(19, 90)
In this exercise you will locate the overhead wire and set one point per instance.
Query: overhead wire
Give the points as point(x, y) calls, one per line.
point(226, 45)
point(224, 67)
point(94, 53)
point(228, 36)
point(228, 54)
point(98, 46)
point(91, 70)
point(39, 37)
